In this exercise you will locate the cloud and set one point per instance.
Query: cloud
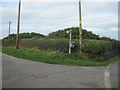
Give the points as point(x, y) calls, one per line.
point(99, 9)
point(100, 0)
point(9, 14)
point(114, 29)
point(0, 22)
point(105, 26)
point(52, 12)
point(51, 16)
point(104, 22)
point(61, 0)
point(106, 33)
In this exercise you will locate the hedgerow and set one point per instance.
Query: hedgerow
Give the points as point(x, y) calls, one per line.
point(96, 49)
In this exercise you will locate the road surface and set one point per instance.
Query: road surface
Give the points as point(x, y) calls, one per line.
point(114, 74)
point(20, 73)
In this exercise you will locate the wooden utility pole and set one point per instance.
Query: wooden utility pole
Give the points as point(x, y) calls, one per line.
point(80, 27)
point(18, 26)
point(9, 28)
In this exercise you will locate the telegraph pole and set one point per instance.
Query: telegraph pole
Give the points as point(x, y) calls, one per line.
point(80, 27)
point(9, 28)
point(18, 26)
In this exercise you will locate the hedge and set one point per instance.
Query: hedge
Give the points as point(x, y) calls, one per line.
point(92, 48)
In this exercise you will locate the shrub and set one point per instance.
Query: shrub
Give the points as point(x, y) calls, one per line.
point(46, 44)
point(96, 47)
point(99, 50)
point(9, 42)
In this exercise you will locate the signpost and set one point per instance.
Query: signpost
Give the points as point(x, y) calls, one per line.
point(70, 40)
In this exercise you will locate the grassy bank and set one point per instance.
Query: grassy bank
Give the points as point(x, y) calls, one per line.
point(100, 49)
point(54, 57)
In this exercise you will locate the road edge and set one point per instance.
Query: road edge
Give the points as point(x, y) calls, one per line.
point(107, 76)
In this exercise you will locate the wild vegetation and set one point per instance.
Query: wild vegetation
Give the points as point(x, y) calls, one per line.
point(25, 35)
point(61, 34)
point(94, 48)
point(75, 34)
point(54, 57)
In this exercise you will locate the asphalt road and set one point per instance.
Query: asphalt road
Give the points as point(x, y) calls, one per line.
point(114, 74)
point(19, 73)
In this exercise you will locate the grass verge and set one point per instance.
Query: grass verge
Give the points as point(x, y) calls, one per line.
point(53, 57)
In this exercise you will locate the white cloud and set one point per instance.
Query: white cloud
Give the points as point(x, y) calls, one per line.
point(9, 14)
point(0, 23)
point(114, 29)
point(47, 17)
point(104, 22)
point(56, 11)
point(95, 30)
point(107, 33)
point(99, 9)
point(61, 0)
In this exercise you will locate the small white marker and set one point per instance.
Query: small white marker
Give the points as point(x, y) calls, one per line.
point(107, 74)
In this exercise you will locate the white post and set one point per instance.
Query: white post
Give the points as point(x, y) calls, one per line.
point(70, 42)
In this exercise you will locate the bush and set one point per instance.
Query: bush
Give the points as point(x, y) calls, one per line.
point(99, 50)
point(25, 35)
point(61, 45)
point(9, 42)
point(46, 44)
point(96, 48)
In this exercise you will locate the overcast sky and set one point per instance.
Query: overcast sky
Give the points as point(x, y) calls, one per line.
point(43, 17)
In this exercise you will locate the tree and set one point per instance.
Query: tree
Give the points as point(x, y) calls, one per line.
point(75, 34)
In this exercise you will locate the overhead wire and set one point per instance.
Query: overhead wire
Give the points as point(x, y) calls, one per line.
point(59, 21)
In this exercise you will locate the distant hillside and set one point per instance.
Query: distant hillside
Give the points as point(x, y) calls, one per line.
point(75, 34)
point(61, 34)
point(26, 35)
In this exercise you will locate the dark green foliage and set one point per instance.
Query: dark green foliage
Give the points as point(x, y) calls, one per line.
point(96, 48)
point(93, 46)
point(107, 39)
point(61, 34)
point(45, 44)
point(25, 35)
point(115, 50)
point(61, 45)
point(8, 42)
point(75, 34)
point(30, 35)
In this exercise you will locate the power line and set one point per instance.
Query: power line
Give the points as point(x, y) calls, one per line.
point(61, 20)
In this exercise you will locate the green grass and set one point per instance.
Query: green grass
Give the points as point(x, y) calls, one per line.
point(53, 57)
